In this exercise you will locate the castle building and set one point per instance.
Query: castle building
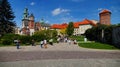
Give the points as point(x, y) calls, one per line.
point(79, 27)
point(28, 24)
point(105, 16)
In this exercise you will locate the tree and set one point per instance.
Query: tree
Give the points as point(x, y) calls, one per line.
point(44, 34)
point(6, 18)
point(70, 29)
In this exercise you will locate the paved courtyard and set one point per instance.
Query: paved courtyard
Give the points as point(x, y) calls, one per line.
point(58, 55)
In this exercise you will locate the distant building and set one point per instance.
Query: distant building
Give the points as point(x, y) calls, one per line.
point(59, 27)
point(44, 26)
point(79, 27)
point(82, 26)
point(105, 17)
point(29, 26)
point(17, 30)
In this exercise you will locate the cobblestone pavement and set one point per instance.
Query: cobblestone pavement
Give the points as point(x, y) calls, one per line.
point(55, 47)
point(63, 53)
point(64, 63)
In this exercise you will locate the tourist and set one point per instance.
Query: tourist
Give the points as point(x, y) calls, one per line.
point(17, 42)
point(33, 43)
point(75, 41)
point(58, 40)
point(41, 44)
point(66, 40)
point(69, 41)
point(45, 43)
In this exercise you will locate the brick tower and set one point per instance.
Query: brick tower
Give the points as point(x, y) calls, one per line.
point(105, 17)
point(31, 24)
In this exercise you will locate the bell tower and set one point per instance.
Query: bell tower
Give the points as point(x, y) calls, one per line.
point(31, 24)
point(25, 19)
point(31, 21)
point(105, 17)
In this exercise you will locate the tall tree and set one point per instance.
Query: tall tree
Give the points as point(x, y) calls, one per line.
point(70, 29)
point(6, 18)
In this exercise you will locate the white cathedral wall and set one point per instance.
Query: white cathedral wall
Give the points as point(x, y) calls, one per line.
point(32, 32)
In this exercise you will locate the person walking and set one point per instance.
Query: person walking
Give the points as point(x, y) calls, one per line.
point(58, 40)
point(45, 43)
point(75, 41)
point(41, 44)
point(33, 43)
point(17, 42)
point(69, 41)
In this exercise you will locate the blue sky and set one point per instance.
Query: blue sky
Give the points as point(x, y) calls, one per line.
point(60, 11)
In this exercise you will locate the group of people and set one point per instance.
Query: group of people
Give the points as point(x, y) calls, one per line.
point(43, 43)
point(66, 40)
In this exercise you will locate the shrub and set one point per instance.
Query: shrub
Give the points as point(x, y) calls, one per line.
point(25, 39)
point(100, 33)
point(8, 39)
point(44, 34)
point(7, 42)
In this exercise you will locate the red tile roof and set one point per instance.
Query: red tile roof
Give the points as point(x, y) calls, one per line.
point(84, 22)
point(59, 26)
point(76, 24)
point(105, 11)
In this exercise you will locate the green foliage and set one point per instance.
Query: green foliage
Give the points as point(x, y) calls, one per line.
point(39, 35)
point(96, 45)
point(101, 33)
point(108, 34)
point(70, 29)
point(44, 34)
point(6, 18)
point(97, 33)
point(7, 42)
point(78, 38)
point(25, 39)
point(11, 36)
point(8, 39)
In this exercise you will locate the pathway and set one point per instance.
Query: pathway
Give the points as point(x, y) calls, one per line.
point(59, 55)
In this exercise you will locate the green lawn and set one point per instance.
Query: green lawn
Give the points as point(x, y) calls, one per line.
point(91, 44)
point(78, 38)
point(96, 45)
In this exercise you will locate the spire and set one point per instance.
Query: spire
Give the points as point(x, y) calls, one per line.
point(31, 15)
point(25, 15)
point(42, 21)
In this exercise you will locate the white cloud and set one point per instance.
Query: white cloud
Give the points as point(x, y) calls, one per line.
point(99, 9)
point(58, 11)
point(32, 3)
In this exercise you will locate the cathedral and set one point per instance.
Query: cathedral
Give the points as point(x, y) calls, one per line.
point(29, 26)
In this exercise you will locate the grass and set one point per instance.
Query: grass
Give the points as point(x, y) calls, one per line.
point(78, 38)
point(96, 45)
point(92, 44)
